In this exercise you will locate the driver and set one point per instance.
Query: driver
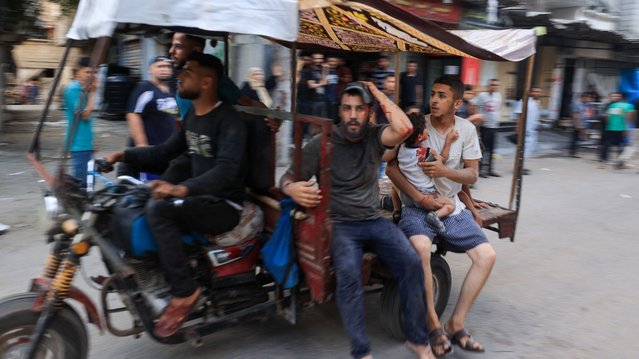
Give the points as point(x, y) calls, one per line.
point(358, 146)
point(202, 189)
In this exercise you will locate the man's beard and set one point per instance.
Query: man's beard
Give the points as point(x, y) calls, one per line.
point(189, 95)
point(353, 136)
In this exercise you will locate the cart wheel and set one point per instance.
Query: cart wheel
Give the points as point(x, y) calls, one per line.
point(391, 314)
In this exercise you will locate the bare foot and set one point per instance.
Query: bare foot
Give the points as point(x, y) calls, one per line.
point(422, 351)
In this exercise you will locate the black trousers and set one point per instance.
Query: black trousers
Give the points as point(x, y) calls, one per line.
point(489, 139)
point(171, 218)
point(611, 138)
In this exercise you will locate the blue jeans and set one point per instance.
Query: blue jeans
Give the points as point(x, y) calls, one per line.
point(394, 250)
point(79, 160)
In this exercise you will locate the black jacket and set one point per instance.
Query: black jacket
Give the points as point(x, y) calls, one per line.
point(207, 154)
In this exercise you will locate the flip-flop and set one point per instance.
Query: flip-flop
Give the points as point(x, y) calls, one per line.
point(470, 343)
point(437, 337)
point(173, 317)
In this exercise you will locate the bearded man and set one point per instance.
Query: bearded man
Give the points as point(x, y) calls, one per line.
point(203, 187)
point(357, 152)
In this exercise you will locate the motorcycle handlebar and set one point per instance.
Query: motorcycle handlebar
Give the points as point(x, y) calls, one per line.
point(101, 165)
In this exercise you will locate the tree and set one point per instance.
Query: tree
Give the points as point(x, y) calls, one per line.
point(18, 20)
point(68, 6)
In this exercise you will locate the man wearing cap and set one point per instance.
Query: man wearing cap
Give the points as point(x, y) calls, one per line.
point(152, 110)
point(357, 151)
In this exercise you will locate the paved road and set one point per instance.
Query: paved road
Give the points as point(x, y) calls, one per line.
point(565, 289)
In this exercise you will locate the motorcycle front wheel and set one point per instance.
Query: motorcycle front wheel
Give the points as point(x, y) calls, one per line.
point(66, 337)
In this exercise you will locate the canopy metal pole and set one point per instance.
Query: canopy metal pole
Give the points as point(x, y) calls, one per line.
point(515, 189)
point(226, 54)
point(297, 125)
point(34, 148)
point(397, 79)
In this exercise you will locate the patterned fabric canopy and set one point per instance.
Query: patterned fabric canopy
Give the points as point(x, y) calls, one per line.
point(378, 26)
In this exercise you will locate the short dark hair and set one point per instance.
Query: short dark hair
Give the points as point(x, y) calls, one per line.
point(208, 61)
point(455, 84)
point(198, 41)
point(84, 62)
point(468, 87)
point(493, 80)
point(419, 123)
point(387, 75)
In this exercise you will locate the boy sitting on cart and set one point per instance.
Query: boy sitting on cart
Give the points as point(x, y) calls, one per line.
point(463, 234)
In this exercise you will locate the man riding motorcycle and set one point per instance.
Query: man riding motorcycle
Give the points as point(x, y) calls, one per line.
point(202, 189)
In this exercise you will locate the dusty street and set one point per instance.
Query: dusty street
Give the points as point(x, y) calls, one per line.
point(563, 289)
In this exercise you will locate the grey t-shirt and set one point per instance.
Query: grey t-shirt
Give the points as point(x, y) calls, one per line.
point(355, 190)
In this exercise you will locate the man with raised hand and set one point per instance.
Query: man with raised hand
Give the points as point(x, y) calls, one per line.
point(357, 150)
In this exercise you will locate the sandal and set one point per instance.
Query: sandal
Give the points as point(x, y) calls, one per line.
point(438, 338)
point(470, 342)
point(174, 316)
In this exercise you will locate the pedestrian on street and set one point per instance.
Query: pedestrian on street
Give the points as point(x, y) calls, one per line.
point(345, 75)
point(302, 97)
point(332, 86)
point(381, 72)
point(316, 79)
point(151, 113)
point(470, 111)
point(532, 122)
point(583, 111)
point(617, 117)
point(490, 107)
point(255, 88)
point(355, 214)
point(82, 142)
point(409, 86)
point(463, 233)
point(389, 91)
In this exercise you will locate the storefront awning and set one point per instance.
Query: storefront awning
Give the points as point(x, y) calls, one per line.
point(511, 44)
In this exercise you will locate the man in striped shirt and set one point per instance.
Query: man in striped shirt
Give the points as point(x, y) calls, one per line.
point(381, 72)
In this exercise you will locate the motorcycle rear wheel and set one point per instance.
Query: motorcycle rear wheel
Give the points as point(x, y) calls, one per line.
point(66, 337)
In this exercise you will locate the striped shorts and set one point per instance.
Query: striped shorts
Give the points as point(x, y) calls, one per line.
point(462, 232)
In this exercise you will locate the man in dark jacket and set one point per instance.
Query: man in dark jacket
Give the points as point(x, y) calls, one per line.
point(203, 187)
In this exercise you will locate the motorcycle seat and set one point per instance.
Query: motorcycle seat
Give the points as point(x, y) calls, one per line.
point(250, 225)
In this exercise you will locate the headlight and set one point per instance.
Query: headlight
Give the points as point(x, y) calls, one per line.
point(51, 206)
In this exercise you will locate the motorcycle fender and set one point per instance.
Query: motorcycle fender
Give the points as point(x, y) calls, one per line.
point(42, 285)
